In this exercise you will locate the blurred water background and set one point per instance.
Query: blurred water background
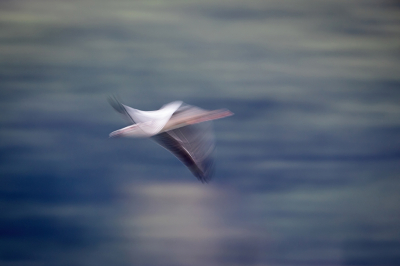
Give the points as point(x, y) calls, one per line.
point(307, 168)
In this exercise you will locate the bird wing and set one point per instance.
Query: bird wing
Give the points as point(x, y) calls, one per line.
point(193, 145)
point(152, 122)
point(146, 123)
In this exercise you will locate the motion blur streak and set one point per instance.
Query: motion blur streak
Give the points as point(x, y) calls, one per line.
point(306, 172)
point(186, 224)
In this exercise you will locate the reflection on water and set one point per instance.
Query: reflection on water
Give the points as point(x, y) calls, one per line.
point(307, 169)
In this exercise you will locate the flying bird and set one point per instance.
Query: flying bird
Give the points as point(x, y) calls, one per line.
point(177, 127)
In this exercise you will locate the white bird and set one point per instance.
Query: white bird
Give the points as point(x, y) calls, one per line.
point(175, 126)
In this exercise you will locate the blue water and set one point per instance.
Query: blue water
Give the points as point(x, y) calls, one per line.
point(307, 169)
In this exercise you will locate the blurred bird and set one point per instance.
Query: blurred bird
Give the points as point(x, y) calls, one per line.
point(176, 128)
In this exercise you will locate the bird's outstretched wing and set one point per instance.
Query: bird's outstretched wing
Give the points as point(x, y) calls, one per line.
point(193, 145)
point(147, 123)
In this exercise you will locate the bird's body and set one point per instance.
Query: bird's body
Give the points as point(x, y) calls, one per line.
point(176, 127)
